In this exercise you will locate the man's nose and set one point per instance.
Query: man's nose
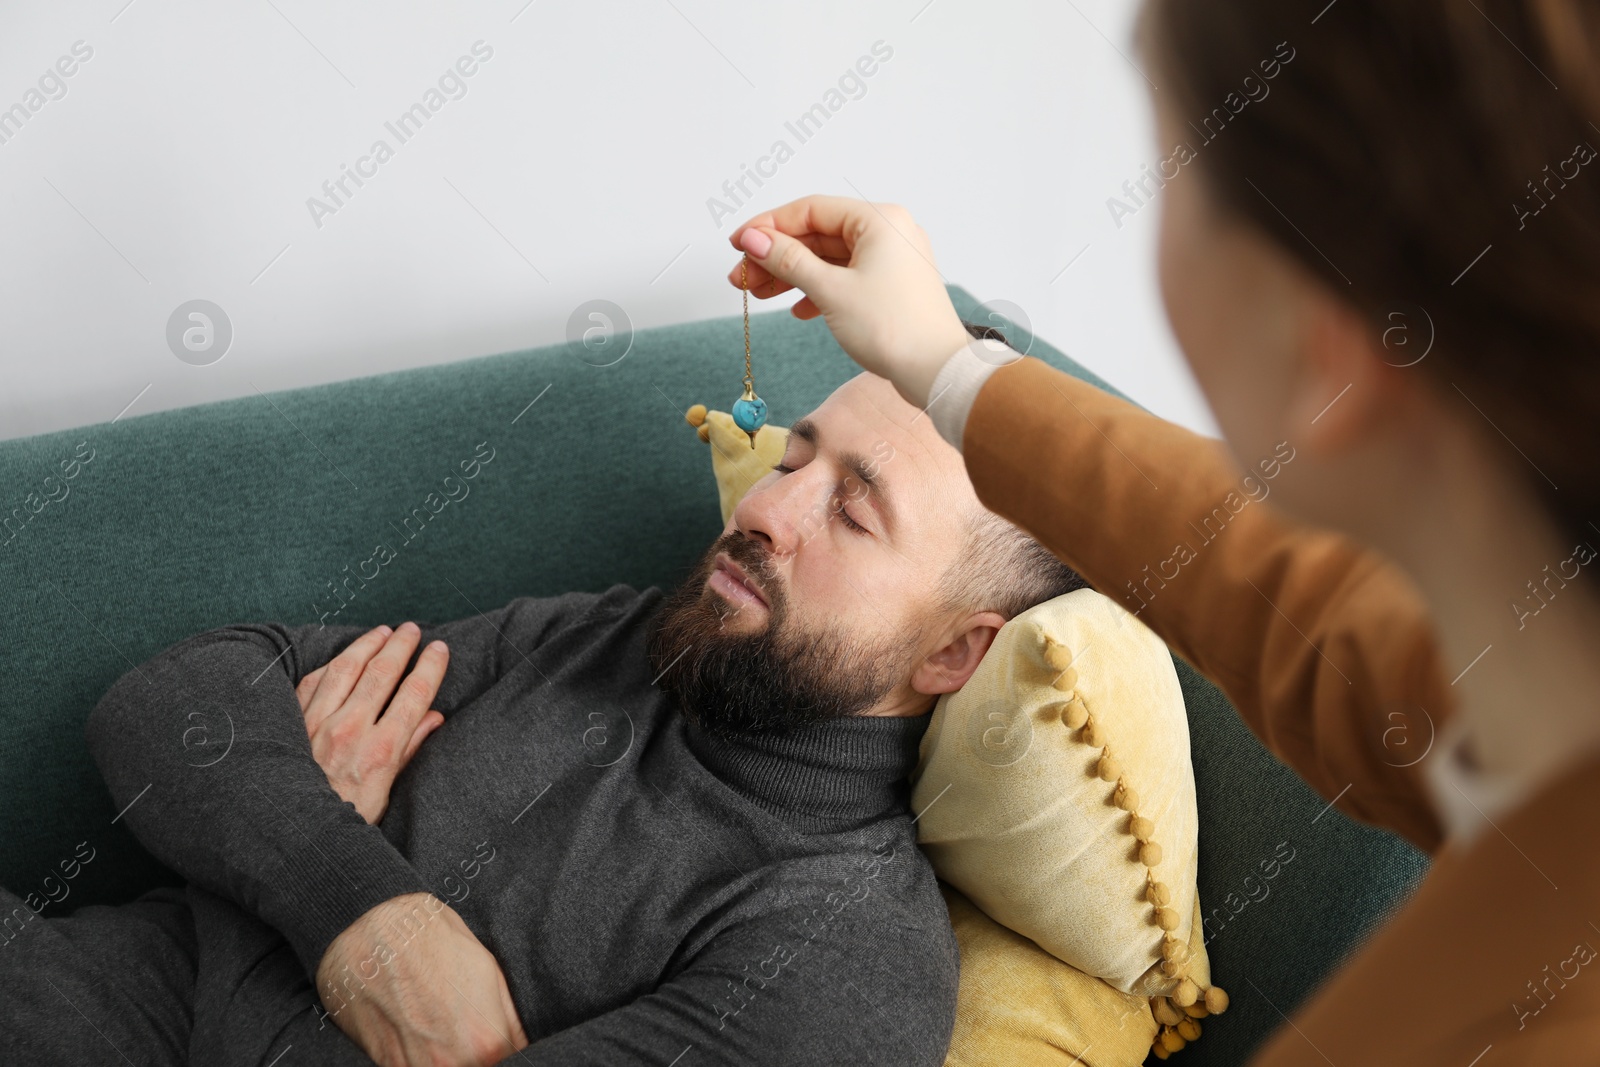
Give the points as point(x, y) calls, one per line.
point(773, 513)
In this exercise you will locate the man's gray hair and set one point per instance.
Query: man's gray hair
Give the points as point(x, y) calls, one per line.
point(1002, 568)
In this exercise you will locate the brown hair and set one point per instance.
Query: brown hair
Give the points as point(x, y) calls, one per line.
point(1418, 153)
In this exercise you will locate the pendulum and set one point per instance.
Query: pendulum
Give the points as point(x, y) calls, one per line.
point(749, 411)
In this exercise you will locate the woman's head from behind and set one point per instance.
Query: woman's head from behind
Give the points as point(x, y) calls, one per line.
point(1384, 243)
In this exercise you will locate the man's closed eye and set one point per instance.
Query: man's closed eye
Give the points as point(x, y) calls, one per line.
point(842, 513)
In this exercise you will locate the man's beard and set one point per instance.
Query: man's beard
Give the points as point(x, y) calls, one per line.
point(768, 680)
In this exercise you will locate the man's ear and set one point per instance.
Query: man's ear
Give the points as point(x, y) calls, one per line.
point(948, 667)
point(1345, 384)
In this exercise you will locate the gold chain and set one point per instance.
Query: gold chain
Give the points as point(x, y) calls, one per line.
point(744, 283)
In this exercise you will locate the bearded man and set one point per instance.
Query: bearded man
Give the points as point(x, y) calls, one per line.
point(618, 828)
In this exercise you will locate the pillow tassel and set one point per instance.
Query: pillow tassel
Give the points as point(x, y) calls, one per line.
point(1179, 1013)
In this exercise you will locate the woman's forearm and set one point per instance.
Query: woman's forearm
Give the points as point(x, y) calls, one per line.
point(1324, 647)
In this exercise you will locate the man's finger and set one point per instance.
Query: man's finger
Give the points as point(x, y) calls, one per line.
point(382, 673)
point(415, 696)
point(430, 722)
point(338, 676)
point(519, 1037)
point(308, 687)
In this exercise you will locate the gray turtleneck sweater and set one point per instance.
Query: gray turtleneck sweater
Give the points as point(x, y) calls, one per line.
point(654, 894)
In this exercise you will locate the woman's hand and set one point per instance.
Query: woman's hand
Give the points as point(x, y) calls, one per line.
point(868, 270)
point(359, 736)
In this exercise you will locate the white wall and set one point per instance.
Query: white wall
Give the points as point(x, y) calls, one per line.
point(578, 164)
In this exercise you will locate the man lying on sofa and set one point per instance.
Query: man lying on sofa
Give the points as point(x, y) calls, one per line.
point(641, 829)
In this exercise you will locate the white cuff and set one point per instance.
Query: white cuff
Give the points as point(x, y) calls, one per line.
point(1468, 800)
point(958, 382)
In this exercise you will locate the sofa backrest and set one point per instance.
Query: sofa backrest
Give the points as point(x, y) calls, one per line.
point(119, 539)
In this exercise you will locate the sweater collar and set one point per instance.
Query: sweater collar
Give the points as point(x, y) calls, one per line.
point(822, 776)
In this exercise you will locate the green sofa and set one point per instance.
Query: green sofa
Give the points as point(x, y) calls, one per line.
point(253, 509)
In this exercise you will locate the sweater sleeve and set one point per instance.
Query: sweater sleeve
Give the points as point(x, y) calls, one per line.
point(1325, 647)
point(204, 748)
point(871, 988)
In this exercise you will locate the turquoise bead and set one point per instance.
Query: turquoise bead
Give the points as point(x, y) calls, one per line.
point(750, 415)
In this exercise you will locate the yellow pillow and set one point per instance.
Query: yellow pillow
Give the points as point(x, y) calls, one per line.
point(1020, 1006)
point(1055, 791)
point(735, 464)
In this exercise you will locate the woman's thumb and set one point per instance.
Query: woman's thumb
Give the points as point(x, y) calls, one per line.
point(789, 260)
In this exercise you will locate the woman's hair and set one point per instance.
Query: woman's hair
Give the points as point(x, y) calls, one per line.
point(1436, 162)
